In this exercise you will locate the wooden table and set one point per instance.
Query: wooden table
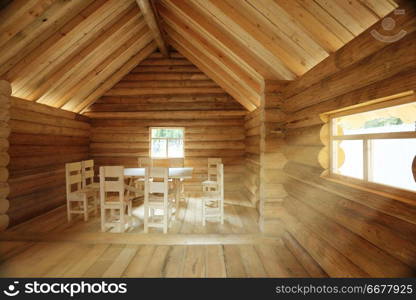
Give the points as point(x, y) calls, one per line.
point(174, 173)
point(177, 174)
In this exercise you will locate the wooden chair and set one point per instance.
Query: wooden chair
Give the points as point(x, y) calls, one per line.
point(157, 196)
point(87, 171)
point(142, 162)
point(114, 198)
point(211, 183)
point(213, 200)
point(78, 199)
point(178, 163)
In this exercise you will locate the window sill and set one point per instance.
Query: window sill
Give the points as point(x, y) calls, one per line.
point(401, 195)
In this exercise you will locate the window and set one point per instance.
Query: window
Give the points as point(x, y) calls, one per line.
point(376, 146)
point(166, 142)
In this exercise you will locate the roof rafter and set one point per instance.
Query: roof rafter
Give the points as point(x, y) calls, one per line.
point(150, 15)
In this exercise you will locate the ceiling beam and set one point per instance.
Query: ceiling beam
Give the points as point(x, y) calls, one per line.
point(149, 13)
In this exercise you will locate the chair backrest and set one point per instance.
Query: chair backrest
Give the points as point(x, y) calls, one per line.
point(156, 181)
point(212, 168)
point(176, 162)
point(111, 180)
point(87, 172)
point(73, 177)
point(144, 162)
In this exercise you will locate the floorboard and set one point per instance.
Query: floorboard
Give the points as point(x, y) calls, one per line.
point(49, 246)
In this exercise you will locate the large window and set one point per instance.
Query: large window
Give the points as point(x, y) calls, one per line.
point(166, 142)
point(377, 145)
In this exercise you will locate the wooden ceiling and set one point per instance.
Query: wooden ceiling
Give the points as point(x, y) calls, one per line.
point(67, 54)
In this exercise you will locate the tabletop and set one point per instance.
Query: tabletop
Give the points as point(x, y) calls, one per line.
point(183, 173)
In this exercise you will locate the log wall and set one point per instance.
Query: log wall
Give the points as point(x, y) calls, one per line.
point(170, 92)
point(252, 158)
point(346, 231)
point(5, 92)
point(42, 140)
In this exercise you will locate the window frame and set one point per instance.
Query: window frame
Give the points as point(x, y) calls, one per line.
point(366, 182)
point(167, 141)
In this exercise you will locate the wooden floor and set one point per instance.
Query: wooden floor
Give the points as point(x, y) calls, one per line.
point(48, 246)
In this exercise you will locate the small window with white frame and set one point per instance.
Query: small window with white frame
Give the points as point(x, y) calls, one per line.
point(375, 144)
point(166, 142)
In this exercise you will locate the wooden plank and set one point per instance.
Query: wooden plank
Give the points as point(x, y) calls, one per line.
point(167, 115)
point(115, 77)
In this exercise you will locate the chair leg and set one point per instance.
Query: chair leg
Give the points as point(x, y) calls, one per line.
point(203, 212)
point(129, 213)
point(222, 212)
point(85, 206)
point(68, 211)
point(122, 219)
point(95, 204)
point(102, 218)
point(165, 219)
point(146, 219)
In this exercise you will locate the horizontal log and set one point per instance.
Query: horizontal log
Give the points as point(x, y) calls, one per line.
point(174, 123)
point(331, 260)
point(359, 48)
point(4, 114)
point(4, 159)
point(31, 106)
point(163, 91)
point(166, 69)
point(172, 54)
point(35, 128)
point(18, 163)
point(171, 106)
point(40, 118)
point(27, 150)
point(399, 83)
point(4, 132)
point(4, 144)
point(307, 136)
point(386, 63)
point(47, 140)
point(308, 263)
point(165, 84)
point(4, 206)
point(382, 203)
point(5, 88)
point(356, 249)
point(387, 233)
point(196, 114)
point(36, 182)
point(4, 175)
point(4, 222)
point(144, 137)
point(188, 130)
point(165, 76)
point(166, 62)
point(4, 189)
point(158, 99)
point(308, 155)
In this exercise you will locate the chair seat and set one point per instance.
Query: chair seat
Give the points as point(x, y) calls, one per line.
point(78, 194)
point(93, 186)
point(209, 182)
point(114, 201)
